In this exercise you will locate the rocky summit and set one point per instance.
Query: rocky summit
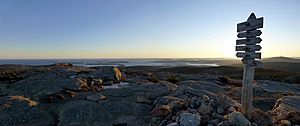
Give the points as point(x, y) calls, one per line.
point(64, 95)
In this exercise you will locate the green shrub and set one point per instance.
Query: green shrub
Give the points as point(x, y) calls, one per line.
point(173, 79)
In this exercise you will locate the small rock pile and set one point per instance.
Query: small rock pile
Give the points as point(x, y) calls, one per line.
point(287, 111)
point(196, 111)
point(102, 76)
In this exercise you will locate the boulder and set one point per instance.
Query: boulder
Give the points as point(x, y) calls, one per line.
point(189, 119)
point(287, 104)
point(193, 103)
point(108, 73)
point(293, 117)
point(226, 102)
point(261, 118)
point(161, 111)
point(105, 73)
point(205, 109)
point(237, 119)
point(285, 123)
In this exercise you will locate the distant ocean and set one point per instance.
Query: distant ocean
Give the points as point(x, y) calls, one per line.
point(110, 62)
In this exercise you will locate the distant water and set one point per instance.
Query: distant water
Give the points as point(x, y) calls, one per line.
point(110, 62)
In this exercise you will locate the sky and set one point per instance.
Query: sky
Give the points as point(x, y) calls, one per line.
point(55, 29)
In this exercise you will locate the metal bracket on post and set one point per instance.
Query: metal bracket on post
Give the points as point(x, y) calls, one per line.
point(249, 52)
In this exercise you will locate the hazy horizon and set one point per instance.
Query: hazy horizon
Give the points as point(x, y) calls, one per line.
point(226, 58)
point(75, 29)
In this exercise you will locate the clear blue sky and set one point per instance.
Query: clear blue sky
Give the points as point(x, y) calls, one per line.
point(142, 28)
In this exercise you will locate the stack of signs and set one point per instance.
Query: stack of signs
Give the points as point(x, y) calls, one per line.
point(248, 35)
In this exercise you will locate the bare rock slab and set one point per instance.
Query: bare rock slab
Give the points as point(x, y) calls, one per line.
point(19, 110)
point(279, 87)
point(106, 113)
point(288, 103)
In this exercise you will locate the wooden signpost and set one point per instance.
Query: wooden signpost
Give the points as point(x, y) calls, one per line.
point(248, 50)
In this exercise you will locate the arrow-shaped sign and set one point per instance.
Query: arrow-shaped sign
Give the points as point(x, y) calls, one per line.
point(252, 62)
point(248, 48)
point(248, 41)
point(249, 34)
point(251, 24)
point(249, 55)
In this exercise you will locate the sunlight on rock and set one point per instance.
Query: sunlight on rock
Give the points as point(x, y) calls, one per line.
point(22, 98)
point(116, 86)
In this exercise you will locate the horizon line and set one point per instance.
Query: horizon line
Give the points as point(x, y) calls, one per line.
point(134, 58)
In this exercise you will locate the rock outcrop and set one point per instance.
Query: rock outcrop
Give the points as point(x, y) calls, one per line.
point(288, 108)
point(63, 94)
point(106, 73)
point(19, 110)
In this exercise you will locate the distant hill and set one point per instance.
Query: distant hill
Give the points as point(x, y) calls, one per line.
point(283, 66)
point(281, 63)
point(280, 59)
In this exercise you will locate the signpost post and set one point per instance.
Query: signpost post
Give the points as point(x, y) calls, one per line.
point(248, 49)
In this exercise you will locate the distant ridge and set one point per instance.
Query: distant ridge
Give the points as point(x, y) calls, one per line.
point(282, 63)
point(280, 59)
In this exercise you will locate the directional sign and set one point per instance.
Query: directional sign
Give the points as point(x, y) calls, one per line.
point(249, 55)
point(252, 62)
point(248, 41)
point(251, 24)
point(248, 48)
point(248, 31)
point(249, 34)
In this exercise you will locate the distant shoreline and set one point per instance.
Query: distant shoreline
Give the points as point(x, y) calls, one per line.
point(111, 62)
point(275, 63)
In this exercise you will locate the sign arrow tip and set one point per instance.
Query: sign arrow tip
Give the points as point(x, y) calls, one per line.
point(251, 17)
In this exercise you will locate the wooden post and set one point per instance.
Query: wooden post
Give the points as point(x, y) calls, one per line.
point(247, 91)
point(249, 33)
